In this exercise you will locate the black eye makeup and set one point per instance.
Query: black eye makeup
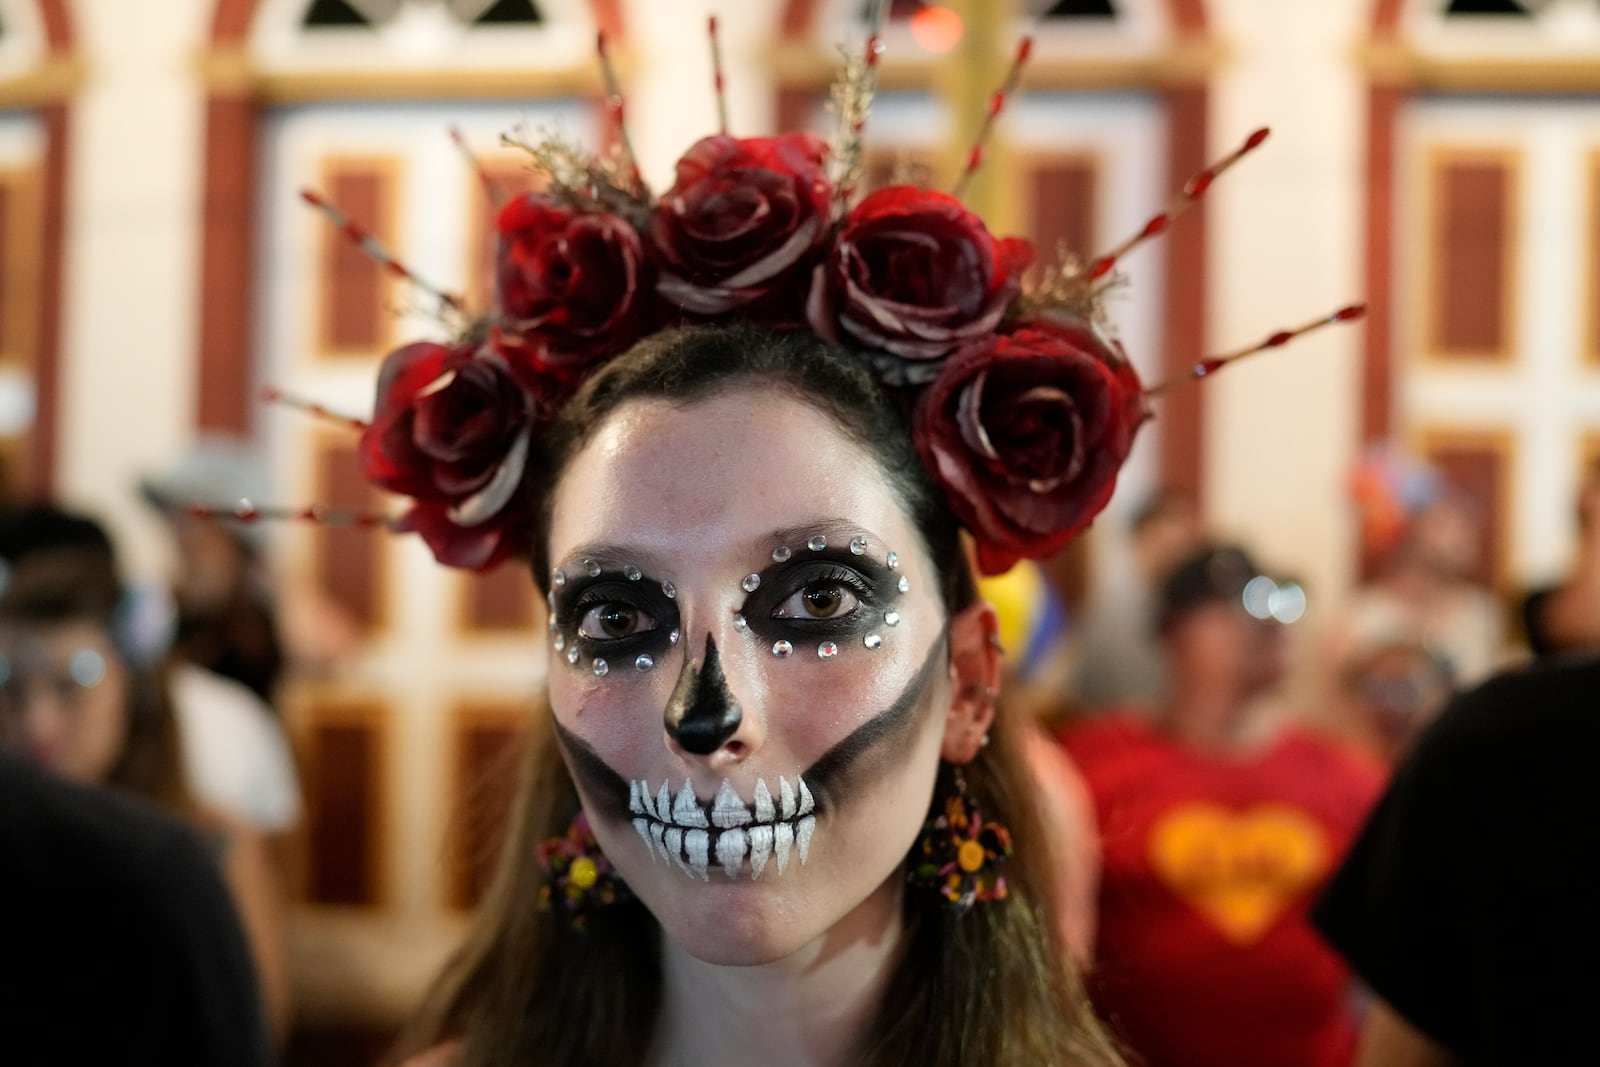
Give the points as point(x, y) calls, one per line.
point(611, 617)
point(823, 597)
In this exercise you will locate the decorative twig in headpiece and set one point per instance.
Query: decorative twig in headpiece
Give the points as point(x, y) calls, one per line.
point(616, 107)
point(717, 82)
point(491, 188)
point(359, 236)
point(1211, 364)
point(246, 511)
point(997, 103)
point(850, 100)
point(273, 395)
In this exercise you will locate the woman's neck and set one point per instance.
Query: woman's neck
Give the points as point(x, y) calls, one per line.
point(809, 1009)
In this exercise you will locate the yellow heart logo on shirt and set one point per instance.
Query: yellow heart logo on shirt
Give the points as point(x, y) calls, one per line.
point(1239, 869)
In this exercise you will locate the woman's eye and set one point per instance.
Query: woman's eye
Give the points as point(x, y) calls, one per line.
point(822, 600)
point(609, 622)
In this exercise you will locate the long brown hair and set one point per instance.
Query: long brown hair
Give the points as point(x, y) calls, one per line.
point(992, 986)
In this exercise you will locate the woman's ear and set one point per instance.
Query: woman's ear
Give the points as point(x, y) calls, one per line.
point(975, 660)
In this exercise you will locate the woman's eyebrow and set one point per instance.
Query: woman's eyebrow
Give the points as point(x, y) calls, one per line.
point(610, 557)
point(832, 527)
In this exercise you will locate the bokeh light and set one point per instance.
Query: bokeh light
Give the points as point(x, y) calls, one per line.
point(937, 29)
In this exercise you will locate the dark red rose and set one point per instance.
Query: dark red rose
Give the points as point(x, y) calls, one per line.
point(1027, 432)
point(573, 287)
point(742, 221)
point(915, 274)
point(452, 429)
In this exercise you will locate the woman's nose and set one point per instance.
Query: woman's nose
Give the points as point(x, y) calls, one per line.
point(704, 721)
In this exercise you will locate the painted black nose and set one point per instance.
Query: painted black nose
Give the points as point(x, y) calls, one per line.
point(701, 713)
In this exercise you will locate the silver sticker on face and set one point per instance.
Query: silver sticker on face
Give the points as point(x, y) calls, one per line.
point(674, 637)
point(858, 546)
point(560, 641)
point(669, 590)
point(827, 650)
point(751, 583)
point(817, 543)
point(550, 600)
point(558, 578)
point(572, 655)
point(872, 641)
point(904, 584)
point(782, 649)
point(644, 662)
point(741, 624)
point(894, 561)
point(891, 618)
point(632, 573)
point(780, 554)
point(591, 568)
point(601, 668)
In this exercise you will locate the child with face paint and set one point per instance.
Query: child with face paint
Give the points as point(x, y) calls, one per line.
point(768, 666)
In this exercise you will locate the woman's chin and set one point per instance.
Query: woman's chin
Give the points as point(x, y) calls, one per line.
point(735, 925)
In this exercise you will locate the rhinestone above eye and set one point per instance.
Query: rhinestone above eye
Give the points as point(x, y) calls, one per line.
point(572, 655)
point(674, 637)
point(817, 542)
point(669, 590)
point(591, 568)
point(891, 618)
point(741, 624)
point(873, 641)
point(632, 573)
point(904, 584)
point(782, 649)
point(550, 600)
point(751, 583)
point(827, 650)
point(894, 561)
point(780, 554)
point(558, 578)
point(601, 668)
point(858, 546)
point(560, 641)
point(644, 662)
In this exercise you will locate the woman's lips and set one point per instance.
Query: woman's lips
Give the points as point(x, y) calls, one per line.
point(689, 833)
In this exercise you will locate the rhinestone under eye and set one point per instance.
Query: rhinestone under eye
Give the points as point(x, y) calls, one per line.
point(572, 655)
point(904, 585)
point(858, 546)
point(891, 618)
point(669, 590)
point(872, 641)
point(827, 650)
point(558, 578)
point(741, 624)
point(894, 561)
point(632, 573)
point(674, 637)
point(644, 662)
point(591, 568)
point(601, 668)
point(817, 543)
point(751, 583)
point(560, 641)
point(780, 553)
point(782, 649)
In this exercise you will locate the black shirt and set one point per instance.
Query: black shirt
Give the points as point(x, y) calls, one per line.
point(1471, 902)
point(120, 944)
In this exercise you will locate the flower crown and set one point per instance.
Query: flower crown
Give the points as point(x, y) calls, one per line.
point(1022, 406)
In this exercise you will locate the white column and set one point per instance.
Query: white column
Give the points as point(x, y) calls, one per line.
point(1285, 246)
point(132, 250)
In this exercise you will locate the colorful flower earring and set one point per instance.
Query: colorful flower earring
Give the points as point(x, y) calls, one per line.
point(959, 854)
point(578, 877)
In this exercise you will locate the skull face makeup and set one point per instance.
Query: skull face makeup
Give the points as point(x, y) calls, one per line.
point(702, 495)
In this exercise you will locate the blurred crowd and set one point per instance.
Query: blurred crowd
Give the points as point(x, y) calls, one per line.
point(1212, 738)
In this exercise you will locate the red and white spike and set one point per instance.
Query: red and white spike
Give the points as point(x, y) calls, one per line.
point(717, 81)
point(273, 395)
point(997, 103)
point(247, 512)
point(491, 188)
point(1211, 364)
point(1193, 190)
point(358, 235)
point(616, 107)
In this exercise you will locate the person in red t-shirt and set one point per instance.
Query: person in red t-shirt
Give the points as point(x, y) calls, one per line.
point(1217, 838)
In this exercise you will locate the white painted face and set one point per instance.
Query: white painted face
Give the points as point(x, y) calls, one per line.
point(746, 521)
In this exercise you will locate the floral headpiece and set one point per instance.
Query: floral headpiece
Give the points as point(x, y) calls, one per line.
point(1023, 408)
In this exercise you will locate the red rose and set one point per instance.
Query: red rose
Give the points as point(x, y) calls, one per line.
point(451, 430)
point(1027, 432)
point(741, 221)
point(915, 274)
point(571, 286)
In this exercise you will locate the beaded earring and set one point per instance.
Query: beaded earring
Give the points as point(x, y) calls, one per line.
point(959, 854)
point(579, 879)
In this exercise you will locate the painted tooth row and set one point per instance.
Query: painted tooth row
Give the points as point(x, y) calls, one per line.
point(690, 851)
point(727, 810)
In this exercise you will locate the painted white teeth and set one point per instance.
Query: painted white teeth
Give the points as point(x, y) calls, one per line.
point(802, 836)
point(730, 851)
point(686, 809)
point(656, 830)
point(786, 799)
point(764, 809)
point(643, 828)
point(645, 801)
point(782, 839)
point(697, 843)
point(664, 804)
point(760, 849)
point(633, 799)
point(807, 805)
point(729, 810)
point(674, 843)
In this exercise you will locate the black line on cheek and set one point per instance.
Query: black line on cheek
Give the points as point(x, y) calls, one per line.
point(876, 733)
point(605, 785)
